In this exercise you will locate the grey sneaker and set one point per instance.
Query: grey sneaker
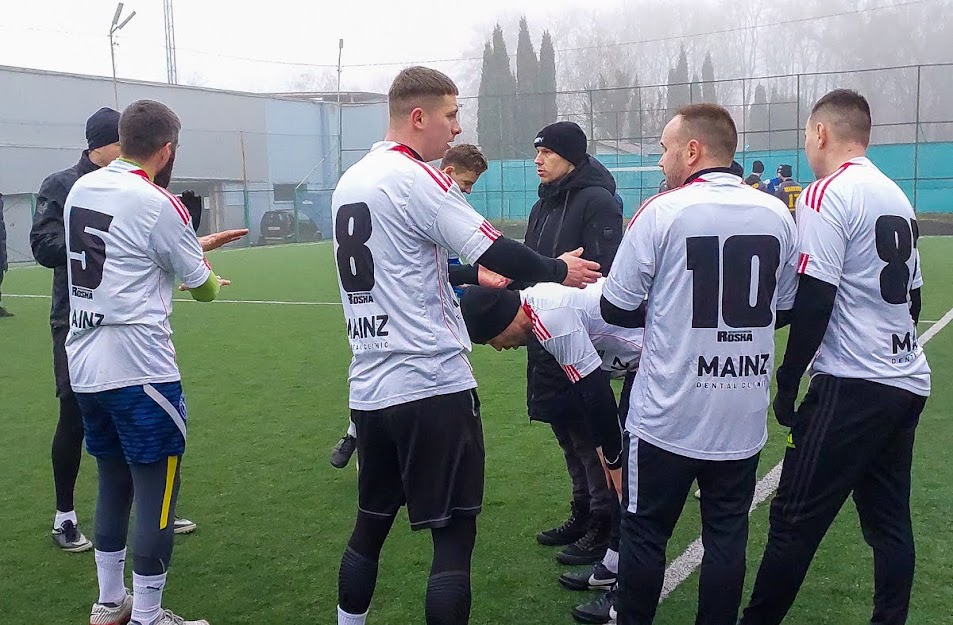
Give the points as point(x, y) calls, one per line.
point(183, 526)
point(342, 452)
point(111, 614)
point(596, 578)
point(68, 538)
point(168, 618)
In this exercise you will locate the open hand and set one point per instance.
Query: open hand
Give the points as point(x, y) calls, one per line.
point(581, 271)
point(491, 279)
point(221, 282)
point(218, 239)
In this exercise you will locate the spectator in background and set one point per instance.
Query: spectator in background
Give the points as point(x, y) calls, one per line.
point(3, 258)
point(771, 186)
point(576, 209)
point(754, 178)
point(789, 190)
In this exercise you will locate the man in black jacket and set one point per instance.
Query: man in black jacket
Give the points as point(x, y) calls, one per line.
point(576, 209)
point(48, 241)
point(3, 256)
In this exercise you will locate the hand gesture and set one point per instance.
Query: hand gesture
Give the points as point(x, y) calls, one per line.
point(218, 239)
point(581, 271)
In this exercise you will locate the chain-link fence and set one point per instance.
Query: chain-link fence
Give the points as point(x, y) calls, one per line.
point(912, 138)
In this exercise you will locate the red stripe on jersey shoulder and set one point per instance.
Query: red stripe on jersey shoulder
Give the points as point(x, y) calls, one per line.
point(491, 233)
point(442, 179)
point(176, 202)
point(802, 263)
point(538, 328)
point(646, 203)
point(817, 189)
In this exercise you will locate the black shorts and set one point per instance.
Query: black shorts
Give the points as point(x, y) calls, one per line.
point(60, 362)
point(427, 454)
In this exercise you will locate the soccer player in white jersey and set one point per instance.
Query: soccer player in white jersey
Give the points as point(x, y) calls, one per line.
point(716, 260)
point(127, 240)
point(412, 391)
point(857, 306)
point(464, 163)
point(568, 324)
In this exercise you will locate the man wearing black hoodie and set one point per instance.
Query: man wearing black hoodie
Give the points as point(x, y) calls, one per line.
point(576, 209)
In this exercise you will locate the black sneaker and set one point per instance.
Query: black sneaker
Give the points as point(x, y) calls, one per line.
point(5, 313)
point(343, 451)
point(68, 538)
point(591, 548)
point(596, 611)
point(569, 532)
point(596, 578)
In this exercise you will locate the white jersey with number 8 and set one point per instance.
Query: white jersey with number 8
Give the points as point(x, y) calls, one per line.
point(395, 220)
point(858, 232)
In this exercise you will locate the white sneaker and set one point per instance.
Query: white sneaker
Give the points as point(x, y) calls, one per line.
point(183, 526)
point(104, 614)
point(168, 618)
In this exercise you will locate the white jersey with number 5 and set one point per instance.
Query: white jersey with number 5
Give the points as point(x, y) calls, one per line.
point(569, 325)
point(127, 239)
point(716, 259)
point(858, 232)
point(395, 219)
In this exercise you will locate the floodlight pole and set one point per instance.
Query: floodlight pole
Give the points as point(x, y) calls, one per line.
point(340, 113)
point(115, 27)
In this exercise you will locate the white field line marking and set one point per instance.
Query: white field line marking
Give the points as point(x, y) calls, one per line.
point(684, 565)
point(218, 301)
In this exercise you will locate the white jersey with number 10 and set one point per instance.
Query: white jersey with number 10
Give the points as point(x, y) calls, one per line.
point(716, 259)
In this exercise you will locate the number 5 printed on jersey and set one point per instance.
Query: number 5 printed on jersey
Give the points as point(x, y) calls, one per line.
point(87, 248)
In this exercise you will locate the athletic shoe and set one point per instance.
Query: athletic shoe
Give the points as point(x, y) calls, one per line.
point(183, 526)
point(613, 616)
point(598, 611)
point(111, 614)
point(591, 548)
point(596, 578)
point(68, 538)
point(569, 532)
point(168, 618)
point(5, 313)
point(343, 451)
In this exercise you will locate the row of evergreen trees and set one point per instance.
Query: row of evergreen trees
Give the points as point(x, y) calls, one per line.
point(513, 107)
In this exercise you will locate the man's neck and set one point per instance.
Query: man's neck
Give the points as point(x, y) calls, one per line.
point(149, 169)
point(96, 159)
point(703, 167)
point(406, 139)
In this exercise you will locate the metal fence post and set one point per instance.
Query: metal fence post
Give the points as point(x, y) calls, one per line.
point(797, 134)
point(916, 142)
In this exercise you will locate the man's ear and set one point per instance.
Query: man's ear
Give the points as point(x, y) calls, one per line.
point(449, 170)
point(417, 117)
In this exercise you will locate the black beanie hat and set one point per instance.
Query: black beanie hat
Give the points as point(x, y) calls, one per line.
point(786, 171)
point(757, 167)
point(737, 169)
point(487, 312)
point(102, 128)
point(565, 139)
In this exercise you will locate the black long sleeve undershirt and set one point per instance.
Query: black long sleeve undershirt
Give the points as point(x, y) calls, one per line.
point(809, 319)
point(616, 316)
point(602, 415)
point(518, 262)
point(464, 274)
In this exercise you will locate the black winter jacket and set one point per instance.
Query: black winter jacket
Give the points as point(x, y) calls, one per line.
point(580, 210)
point(48, 235)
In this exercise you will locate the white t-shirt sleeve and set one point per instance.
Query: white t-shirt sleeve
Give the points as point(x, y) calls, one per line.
point(562, 334)
point(633, 269)
point(917, 274)
point(822, 237)
point(444, 216)
point(787, 278)
point(174, 247)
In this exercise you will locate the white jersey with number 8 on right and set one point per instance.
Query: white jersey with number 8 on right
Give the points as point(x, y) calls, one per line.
point(858, 232)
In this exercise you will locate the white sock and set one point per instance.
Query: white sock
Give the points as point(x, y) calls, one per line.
point(64, 516)
point(147, 597)
point(110, 566)
point(351, 429)
point(351, 619)
point(611, 561)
